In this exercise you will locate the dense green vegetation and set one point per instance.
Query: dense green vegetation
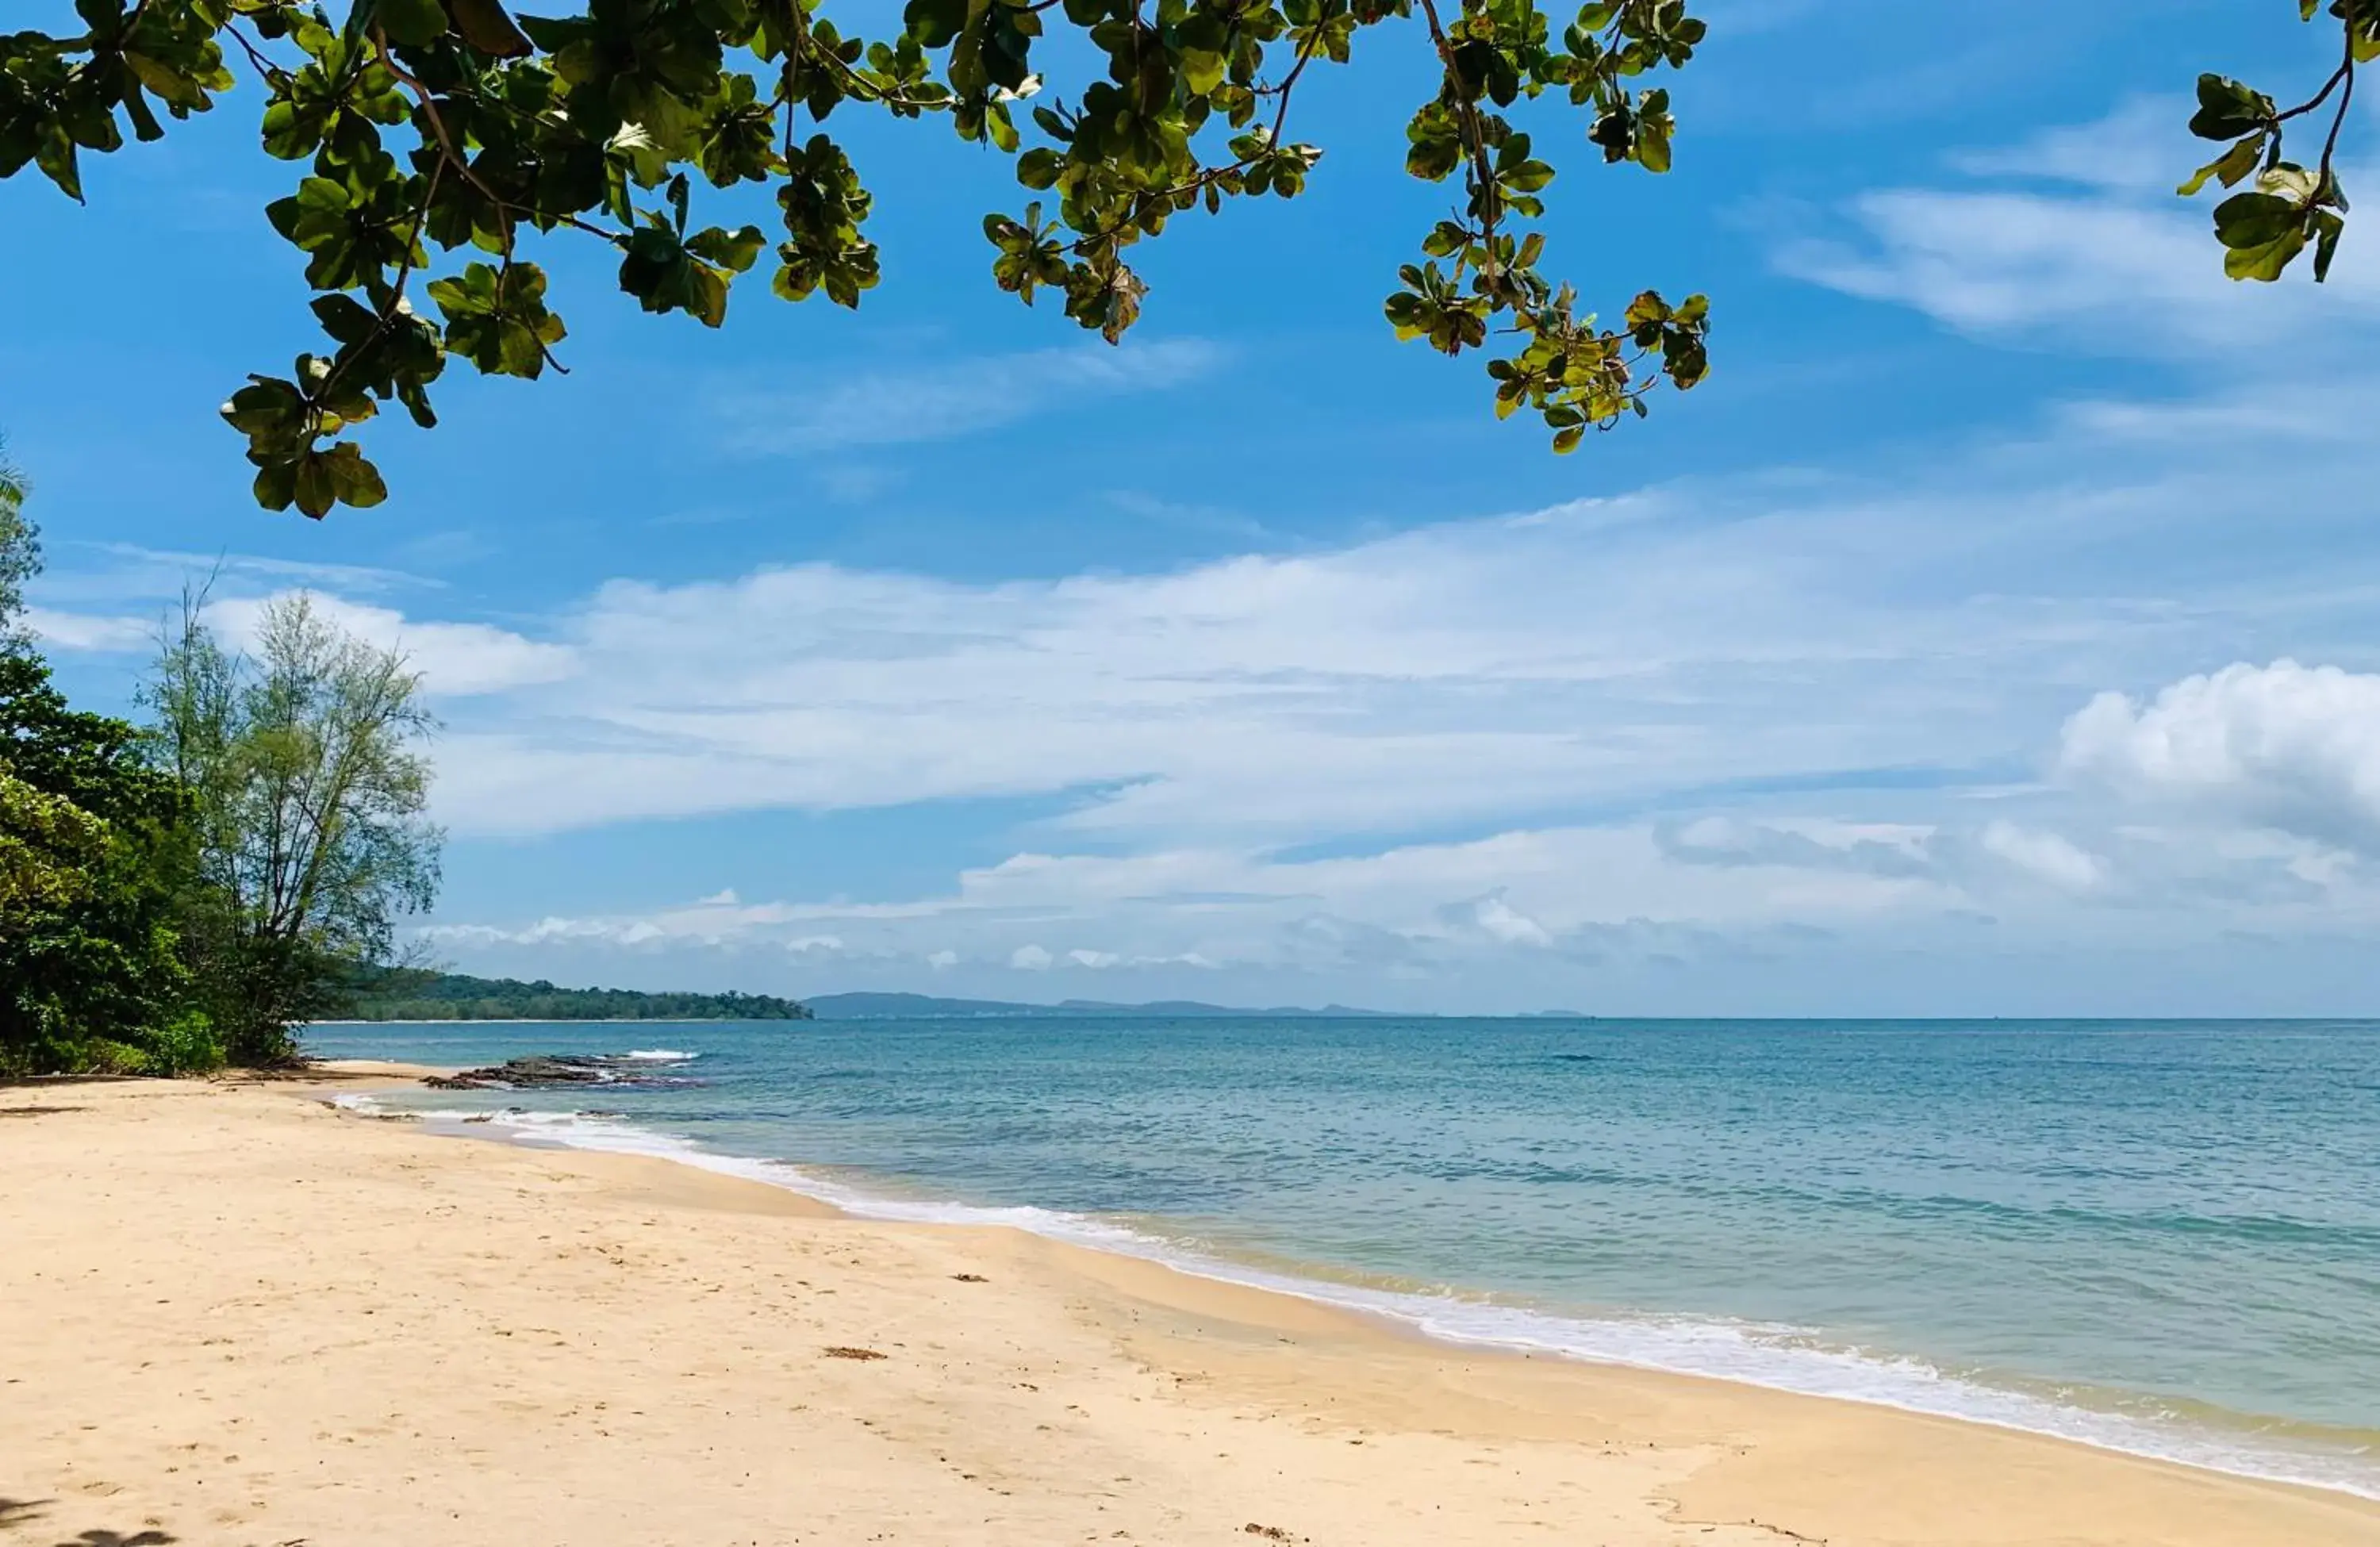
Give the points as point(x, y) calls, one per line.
point(90, 973)
point(411, 993)
point(181, 894)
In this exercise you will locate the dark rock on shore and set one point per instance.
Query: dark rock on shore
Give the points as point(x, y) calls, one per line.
point(542, 1072)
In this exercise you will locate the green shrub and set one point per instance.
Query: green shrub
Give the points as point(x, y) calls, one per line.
point(185, 1045)
point(104, 1055)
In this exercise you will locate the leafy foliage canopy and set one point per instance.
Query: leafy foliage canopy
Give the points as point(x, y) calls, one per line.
point(2288, 206)
point(446, 134)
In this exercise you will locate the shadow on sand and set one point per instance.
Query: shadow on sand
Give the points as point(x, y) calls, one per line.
point(19, 1518)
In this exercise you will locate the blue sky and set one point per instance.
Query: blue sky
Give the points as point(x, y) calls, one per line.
point(1992, 634)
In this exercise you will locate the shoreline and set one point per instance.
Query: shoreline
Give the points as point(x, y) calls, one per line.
point(583, 1020)
point(412, 1334)
point(1481, 1324)
point(1434, 1319)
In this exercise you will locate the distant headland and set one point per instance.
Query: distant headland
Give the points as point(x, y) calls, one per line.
point(415, 993)
point(906, 1006)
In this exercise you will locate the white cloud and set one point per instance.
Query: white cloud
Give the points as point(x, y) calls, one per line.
point(1524, 920)
point(1502, 922)
point(1573, 890)
point(1785, 721)
point(92, 632)
point(1580, 663)
point(2143, 148)
point(1886, 849)
point(930, 403)
point(2116, 276)
point(454, 659)
point(2048, 855)
point(2290, 747)
point(2122, 266)
point(122, 572)
point(1438, 674)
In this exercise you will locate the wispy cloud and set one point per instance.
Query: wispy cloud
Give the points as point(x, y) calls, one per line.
point(932, 402)
point(455, 660)
point(2142, 149)
point(1718, 642)
point(165, 569)
point(1617, 916)
point(1580, 748)
point(92, 632)
point(2123, 278)
point(2111, 262)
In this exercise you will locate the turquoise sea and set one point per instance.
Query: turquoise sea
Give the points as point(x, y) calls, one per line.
point(2159, 1235)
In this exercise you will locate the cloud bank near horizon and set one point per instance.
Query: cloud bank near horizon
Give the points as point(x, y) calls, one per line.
point(2092, 709)
point(1628, 742)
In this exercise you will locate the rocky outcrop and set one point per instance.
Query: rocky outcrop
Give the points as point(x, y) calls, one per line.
point(544, 1072)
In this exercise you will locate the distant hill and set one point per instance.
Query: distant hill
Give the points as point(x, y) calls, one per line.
point(904, 1006)
point(409, 994)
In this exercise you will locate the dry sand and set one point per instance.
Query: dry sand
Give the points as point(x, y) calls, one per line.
point(231, 1315)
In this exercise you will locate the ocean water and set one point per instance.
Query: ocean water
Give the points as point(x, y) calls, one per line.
point(2159, 1237)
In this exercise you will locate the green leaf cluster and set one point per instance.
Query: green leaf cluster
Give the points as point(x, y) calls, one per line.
point(2287, 207)
point(435, 142)
point(450, 135)
point(60, 97)
point(47, 846)
point(1480, 274)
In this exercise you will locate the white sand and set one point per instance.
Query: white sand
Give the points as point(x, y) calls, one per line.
point(231, 1315)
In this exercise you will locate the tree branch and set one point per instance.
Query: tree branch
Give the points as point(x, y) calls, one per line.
point(1467, 111)
point(446, 145)
point(261, 62)
point(396, 292)
point(2345, 77)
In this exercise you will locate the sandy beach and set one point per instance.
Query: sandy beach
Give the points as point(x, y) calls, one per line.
point(230, 1314)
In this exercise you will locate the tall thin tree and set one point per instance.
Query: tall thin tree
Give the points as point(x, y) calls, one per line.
point(307, 790)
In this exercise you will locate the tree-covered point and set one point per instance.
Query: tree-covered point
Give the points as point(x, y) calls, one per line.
point(413, 993)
